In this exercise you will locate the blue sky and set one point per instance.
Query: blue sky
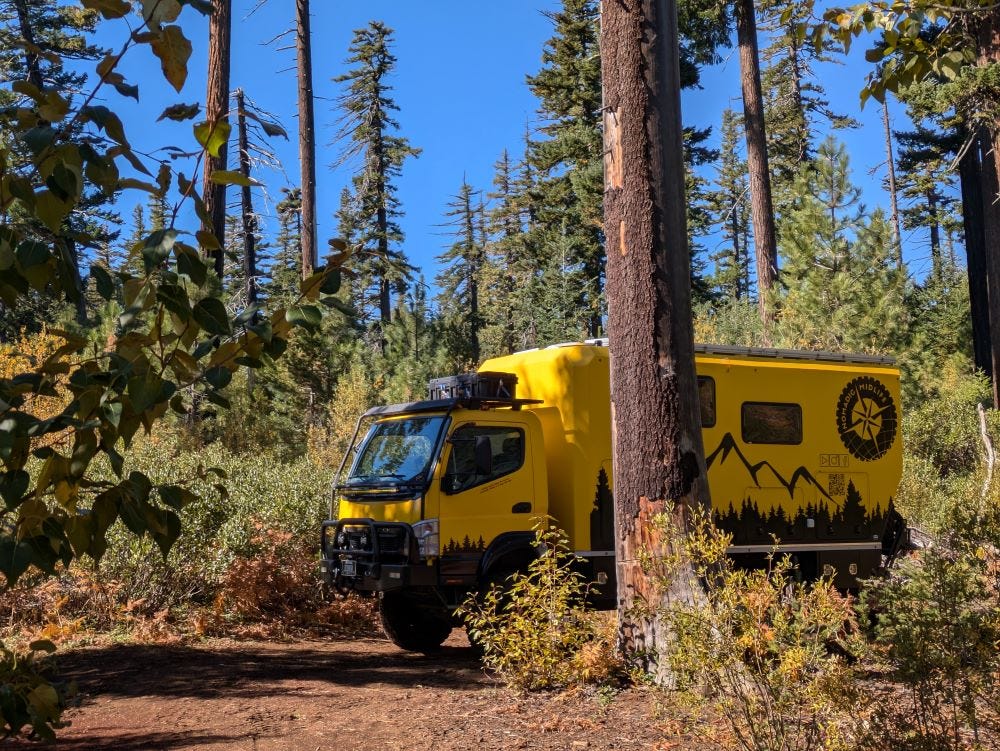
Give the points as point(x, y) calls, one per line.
point(460, 86)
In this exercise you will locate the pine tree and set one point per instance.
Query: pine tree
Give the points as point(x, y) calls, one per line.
point(460, 277)
point(509, 267)
point(927, 187)
point(367, 126)
point(731, 211)
point(844, 289)
point(795, 99)
point(282, 285)
point(568, 158)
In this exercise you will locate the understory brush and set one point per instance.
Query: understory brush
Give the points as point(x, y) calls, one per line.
point(761, 651)
point(246, 556)
point(532, 629)
point(936, 632)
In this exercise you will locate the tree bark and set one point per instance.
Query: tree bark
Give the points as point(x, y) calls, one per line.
point(989, 53)
point(970, 176)
point(761, 203)
point(991, 224)
point(28, 35)
point(307, 136)
point(249, 219)
point(216, 111)
point(890, 162)
point(659, 461)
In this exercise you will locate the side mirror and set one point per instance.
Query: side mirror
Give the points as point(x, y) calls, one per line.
point(484, 455)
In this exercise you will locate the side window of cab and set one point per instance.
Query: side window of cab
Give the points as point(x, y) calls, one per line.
point(481, 454)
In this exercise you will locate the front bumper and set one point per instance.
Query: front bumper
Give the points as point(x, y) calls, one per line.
point(372, 556)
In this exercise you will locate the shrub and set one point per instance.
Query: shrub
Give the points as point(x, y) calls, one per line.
point(532, 628)
point(757, 647)
point(27, 697)
point(937, 625)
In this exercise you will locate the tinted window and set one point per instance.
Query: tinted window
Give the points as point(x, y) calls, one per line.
point(706, 394)
point(771, 423)
point(507, 446)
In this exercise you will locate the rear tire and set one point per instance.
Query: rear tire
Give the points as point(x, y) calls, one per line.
point(411, 626)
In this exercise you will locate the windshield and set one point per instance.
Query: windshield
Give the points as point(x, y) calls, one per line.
point(397, 451)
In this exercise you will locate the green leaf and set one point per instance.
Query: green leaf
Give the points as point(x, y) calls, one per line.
point(307, 316)
point(212, 138)
point(211, 315)
point(51, 210)
point(219, 377)
point(231, 177)
point(126, 89)
point(331, 283)
point(156, 248)
point(13, 485)
point(176, 496)
point(15, 558)
point(107, 120)
point(180, 112)
point(343, 307)
point(144, 391)
point(190, 264)
point(105, 284)
point(174, 50)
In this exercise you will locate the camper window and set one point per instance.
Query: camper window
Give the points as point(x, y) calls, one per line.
point(764, 422)
point(706, 394)
point(465, 472)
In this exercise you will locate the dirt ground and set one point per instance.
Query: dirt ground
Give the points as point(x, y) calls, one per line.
point(333, 694)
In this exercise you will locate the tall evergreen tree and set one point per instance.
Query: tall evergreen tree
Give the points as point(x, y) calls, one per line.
point(927, 188)
point(844, 291)
point(568, 156)
point(730, 208)
point(795, 100)
point(368, 128)
point(460, 277)
point(284, 273)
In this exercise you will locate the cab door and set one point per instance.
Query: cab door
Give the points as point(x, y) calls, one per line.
point(487, 489)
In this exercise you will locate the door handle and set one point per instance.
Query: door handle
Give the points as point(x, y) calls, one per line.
point(521, 507)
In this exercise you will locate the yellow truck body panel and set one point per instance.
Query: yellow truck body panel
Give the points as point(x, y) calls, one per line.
point(799, 448)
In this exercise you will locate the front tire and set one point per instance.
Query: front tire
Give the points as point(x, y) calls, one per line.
point(410, 625)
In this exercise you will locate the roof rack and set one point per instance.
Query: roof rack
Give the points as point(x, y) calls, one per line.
point(447, 405)
point(728, 350)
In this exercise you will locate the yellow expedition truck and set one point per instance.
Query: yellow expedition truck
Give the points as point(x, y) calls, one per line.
point(440, 496)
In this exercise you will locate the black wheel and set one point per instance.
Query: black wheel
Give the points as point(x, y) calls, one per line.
point(411, 626)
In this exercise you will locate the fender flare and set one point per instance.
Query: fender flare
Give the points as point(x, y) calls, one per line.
point(510, 550)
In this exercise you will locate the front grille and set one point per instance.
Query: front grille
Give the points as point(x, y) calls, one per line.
point(391, 539)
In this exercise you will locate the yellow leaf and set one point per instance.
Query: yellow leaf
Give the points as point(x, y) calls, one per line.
point(174, 50)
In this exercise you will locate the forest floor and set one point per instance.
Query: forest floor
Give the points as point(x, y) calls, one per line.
point(339, 694)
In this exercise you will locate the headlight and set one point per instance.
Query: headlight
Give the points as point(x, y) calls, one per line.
point(428, 538)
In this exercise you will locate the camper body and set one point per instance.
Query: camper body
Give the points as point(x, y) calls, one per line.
point(803, 453)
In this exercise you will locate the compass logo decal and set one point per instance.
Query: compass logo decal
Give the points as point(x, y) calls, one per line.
point(866, 418)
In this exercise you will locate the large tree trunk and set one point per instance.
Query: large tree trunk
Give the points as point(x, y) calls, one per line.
point(890, 162)
point(307, 136)
point(659, 461)
point(970, 174)
point(216, 111)
point(989, 53)
point(761, 203)
point(991, 224)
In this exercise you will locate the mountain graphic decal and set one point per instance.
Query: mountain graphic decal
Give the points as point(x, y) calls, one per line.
point(729, 446)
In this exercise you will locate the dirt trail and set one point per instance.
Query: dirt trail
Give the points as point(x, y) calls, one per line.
point(331, 695)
